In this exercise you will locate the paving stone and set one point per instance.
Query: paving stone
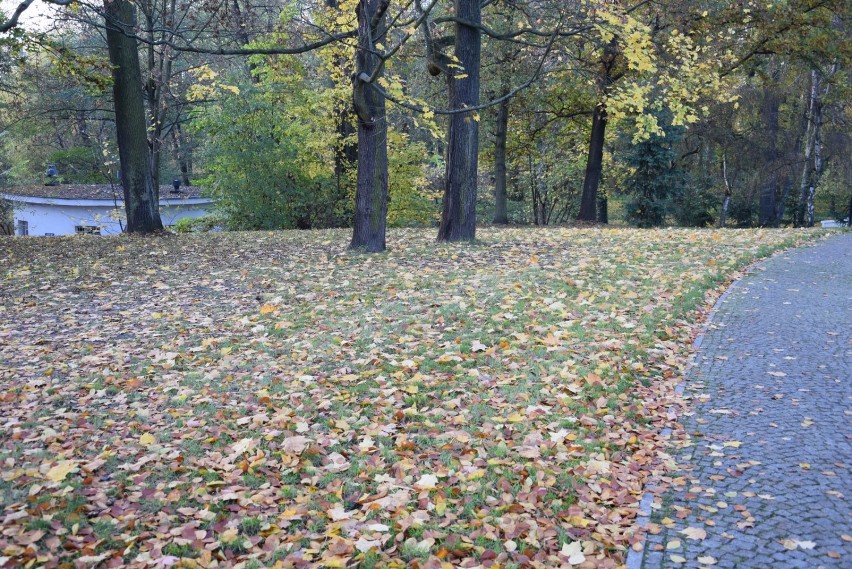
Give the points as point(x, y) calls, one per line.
point(778, 357)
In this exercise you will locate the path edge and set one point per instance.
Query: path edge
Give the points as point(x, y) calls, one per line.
point(635, 558)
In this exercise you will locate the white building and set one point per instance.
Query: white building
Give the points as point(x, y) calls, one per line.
point(67, 209)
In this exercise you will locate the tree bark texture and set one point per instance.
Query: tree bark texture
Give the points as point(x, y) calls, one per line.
point(594, 166)
point(767, 215)
point(371, 195)
point(814, 173)
point(726, 204)
point(594, 163)
point(501, 215)
point(817, 171)
point(808, 150)
point(183, 155)
point(141, 200)
point(458, 219)
point(603, 209)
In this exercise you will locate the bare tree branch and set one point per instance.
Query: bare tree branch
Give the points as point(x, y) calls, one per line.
point(423, 109)
point(12, 22)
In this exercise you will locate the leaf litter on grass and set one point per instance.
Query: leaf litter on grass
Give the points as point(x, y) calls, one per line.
point(272, 399)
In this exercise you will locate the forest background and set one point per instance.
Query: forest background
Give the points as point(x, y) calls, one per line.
point(367, 113)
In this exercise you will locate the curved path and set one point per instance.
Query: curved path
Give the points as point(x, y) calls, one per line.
point(768, 477)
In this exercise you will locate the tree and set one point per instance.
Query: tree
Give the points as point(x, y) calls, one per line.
point(13, 20)
point(458, 218)
point(655, 180)
point(594, 163)
point(371, 198)
point(141, 197)
point(812, 170)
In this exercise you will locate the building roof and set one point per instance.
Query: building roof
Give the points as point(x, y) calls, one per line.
point(95, 192)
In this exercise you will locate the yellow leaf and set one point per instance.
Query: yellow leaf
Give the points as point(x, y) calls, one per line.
point(267, 308)
point(440, 506)
point(515, 418)
point(146, 439)
point(61, 470)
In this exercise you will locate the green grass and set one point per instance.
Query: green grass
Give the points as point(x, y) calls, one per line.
point(501, 368)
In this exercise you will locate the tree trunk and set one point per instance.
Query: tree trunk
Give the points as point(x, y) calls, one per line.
point(141, 200)
point(83, 129)
point(849, 213)
point(603, 209)
point(594, 165)
point(767, 216)
point(182, 155)
point(501, 215)
point(458, 219)
point(594, 162)
point(780, 208)
point(807, 169)
point(817, 171)
point(726, 204)
point(535, 193)
point(371, 195)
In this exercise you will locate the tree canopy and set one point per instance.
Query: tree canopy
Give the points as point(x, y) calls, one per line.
point(364, 113)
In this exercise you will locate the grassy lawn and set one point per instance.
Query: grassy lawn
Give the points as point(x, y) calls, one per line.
point(272, 399)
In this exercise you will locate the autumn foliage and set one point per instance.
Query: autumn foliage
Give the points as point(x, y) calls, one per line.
point(272, 399)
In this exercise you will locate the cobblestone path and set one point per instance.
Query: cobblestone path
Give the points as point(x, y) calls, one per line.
point(767, 477)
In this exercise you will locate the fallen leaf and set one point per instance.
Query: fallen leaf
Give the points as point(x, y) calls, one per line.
point(574, 552)
point(295, 444)
point(694, 533)
point(243, 445)
point(62, 468)
point(364, 545)
point(427, 482)
point(338, 513)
